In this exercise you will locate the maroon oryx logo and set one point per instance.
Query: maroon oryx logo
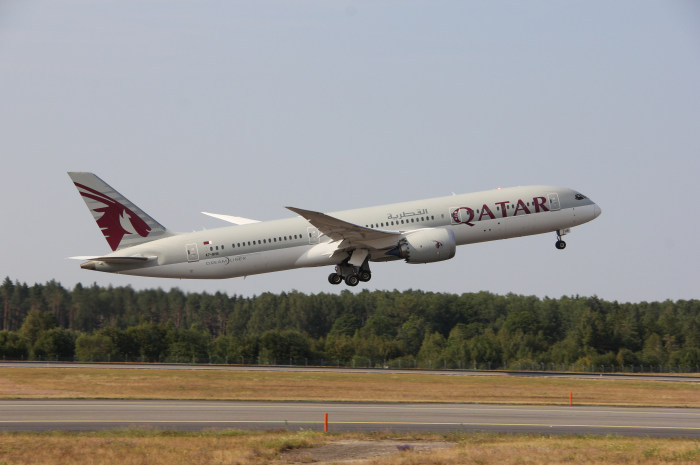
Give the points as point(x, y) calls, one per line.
point(438, 244)
point(116, 220)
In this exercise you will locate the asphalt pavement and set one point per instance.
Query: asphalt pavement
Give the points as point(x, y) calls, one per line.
point(82, 415)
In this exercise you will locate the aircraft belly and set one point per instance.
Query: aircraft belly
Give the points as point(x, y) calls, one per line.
point(191, 270)
point(565, 218)
point(320, 255)
point(551, 221)
point(284, 259)
point(522, 225)
point(482, 231)
point(227, 267)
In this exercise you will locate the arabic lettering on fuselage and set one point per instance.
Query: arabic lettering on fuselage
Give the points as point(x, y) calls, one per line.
point(398, 216)
point(465, 215)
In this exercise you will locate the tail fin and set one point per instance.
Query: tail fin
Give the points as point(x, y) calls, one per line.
point(122, 223)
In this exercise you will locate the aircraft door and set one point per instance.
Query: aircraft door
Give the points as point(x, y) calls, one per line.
point(192, 253)
point(553, 202)
point(314, 236)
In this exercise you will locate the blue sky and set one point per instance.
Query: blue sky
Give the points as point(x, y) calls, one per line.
point(241, 108)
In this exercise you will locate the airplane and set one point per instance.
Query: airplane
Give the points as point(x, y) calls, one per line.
point(421, 231)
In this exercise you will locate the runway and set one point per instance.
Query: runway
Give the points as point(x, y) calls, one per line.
point(82, 415)
point(186, 366)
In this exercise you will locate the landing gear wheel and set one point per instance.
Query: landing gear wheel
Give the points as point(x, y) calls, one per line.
point(335, 278)
point(352, 280)
point(364, 276)
point(561, 245)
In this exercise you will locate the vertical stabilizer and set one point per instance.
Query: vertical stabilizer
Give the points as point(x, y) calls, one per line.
point(122, 223)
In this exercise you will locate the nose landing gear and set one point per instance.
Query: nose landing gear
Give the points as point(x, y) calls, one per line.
point(560, 244)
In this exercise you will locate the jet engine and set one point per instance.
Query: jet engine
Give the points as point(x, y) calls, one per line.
point(426, 246)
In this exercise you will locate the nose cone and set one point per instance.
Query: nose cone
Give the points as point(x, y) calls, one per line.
point(596, 211)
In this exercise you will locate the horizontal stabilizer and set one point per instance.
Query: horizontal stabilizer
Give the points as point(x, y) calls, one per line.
point(232, 219)
point(116, 260)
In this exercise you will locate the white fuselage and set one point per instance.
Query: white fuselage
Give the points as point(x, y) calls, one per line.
point(295, 243)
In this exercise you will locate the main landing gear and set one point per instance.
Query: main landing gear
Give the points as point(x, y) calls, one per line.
point(560, 244)
point(352, 275)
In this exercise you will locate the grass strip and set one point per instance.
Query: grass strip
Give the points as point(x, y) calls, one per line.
point(26, 383)
point(117, 447)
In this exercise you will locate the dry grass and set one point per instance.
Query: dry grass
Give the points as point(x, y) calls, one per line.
point(148, 447)
point(26, 383)
point(137, 446)
point(540, 449)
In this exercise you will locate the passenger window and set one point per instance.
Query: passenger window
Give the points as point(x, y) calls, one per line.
point(401, 221)
point(275, 239)
point(498, 208)
point(280, 239)
point(259, 242)
point(211, 249)
point(392, 223)
point(432, 217)
point(217, 247)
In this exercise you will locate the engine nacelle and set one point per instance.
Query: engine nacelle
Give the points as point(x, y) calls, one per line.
point(426, 246)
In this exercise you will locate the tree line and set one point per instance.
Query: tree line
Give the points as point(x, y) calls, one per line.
point(46, 321)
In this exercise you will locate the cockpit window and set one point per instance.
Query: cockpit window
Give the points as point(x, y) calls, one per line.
point(580, 197)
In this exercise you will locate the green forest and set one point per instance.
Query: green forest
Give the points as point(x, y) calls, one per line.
point(380, 328)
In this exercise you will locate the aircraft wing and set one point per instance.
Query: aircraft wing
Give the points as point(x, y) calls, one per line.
point(339, 230)
point(232, 219)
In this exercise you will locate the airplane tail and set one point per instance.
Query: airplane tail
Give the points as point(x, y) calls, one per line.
point(122, 223)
